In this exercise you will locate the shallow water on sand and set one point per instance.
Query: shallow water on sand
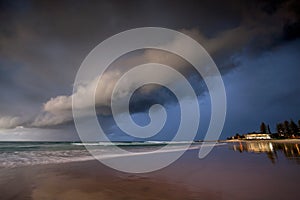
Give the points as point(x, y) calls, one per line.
point(247, 170)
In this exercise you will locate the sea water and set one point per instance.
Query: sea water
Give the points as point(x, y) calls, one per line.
point(14, 154)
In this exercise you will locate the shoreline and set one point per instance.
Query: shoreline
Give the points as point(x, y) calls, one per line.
point(214, 177)
point(92, 180)
point(270, 140)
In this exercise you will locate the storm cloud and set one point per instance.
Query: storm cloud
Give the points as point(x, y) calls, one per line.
point(42, 45)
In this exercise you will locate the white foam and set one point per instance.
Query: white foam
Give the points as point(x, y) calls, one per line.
point(27, 158)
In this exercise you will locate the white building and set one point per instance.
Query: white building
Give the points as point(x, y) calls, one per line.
point(257, 136)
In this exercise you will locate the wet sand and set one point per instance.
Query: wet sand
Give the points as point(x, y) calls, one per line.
point(272, 140)
point(223, 174)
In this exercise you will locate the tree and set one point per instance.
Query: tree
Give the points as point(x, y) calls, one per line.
point(237, 136)
point(293, 127)
point(263, 128)
point(287, 130)
point(269, 130)
point(298, 127)
point(279, 128)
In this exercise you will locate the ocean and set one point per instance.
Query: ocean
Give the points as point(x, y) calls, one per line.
point(14, 154)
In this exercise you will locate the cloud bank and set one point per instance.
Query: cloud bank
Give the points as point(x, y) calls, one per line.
point(7, 122)
point(43, 43)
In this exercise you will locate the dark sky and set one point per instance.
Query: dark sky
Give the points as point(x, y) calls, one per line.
point(255, 45)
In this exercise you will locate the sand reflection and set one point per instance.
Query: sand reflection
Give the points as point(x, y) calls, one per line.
point(272, 149)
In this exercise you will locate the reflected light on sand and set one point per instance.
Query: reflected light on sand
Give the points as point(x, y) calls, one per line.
point(290, 150)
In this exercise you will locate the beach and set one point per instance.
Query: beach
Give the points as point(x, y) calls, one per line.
point(272, 140)
point(224, 174)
